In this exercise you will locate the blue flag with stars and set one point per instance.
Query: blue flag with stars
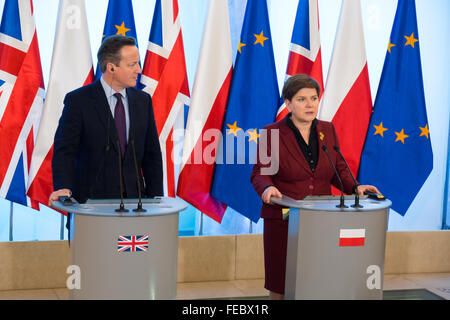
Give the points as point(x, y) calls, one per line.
point(252, 104)
point(397, 157)
point(119, 20)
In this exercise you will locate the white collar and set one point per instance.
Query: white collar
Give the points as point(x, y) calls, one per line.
point(109, 92)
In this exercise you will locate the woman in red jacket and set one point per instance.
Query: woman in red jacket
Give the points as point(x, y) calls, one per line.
point(302, 169)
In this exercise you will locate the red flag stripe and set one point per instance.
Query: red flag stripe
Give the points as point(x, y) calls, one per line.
point(11, 59)
point(154, 65)
point(357, 105)
point(351, 242)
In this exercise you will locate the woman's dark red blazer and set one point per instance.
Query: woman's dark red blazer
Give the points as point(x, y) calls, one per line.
point(294, 178)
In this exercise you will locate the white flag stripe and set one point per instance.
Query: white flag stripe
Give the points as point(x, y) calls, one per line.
point(352, 233)
point(216, 47)
point(349, 46)
point(13, 42)
point(70, 67)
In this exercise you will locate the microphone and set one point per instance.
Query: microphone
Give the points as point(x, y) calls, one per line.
point(139, 205)
point(356, 205)
point(341, 205)
point(122, 206)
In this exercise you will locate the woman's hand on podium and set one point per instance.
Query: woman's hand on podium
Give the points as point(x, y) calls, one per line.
point(56, 194)
point(270, 192)
point(366, 188)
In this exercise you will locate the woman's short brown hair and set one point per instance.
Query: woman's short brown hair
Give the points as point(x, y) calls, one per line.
point(297, 82)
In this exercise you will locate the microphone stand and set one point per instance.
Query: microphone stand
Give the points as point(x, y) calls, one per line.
point(139, 205)
point(122, 206)
point(356, 205)
point(341, 205)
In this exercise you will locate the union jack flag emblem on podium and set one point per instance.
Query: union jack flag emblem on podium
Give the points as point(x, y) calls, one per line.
point(132, 243)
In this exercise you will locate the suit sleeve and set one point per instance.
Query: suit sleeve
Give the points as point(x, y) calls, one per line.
point(346, 178)
point(66, 144)
point(260, 179)
point(152, 162)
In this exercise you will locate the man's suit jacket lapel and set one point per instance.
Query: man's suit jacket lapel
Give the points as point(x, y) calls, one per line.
point(101, 106)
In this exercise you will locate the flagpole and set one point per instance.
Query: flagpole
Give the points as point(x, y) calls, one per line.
point(200, 233)
point(11, 221)
point(61, 233)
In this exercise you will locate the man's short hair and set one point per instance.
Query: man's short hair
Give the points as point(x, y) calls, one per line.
point(109, 51)
point(297, 82)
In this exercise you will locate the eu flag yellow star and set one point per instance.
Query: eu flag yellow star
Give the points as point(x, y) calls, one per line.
point(379, 129)
point(260, 38)
point(401, 136)
point(425, 131)
point(390, 45)
point(233, 128)
point(122, 30)
point(240, 46)
point(410, 40)
point(253, 135)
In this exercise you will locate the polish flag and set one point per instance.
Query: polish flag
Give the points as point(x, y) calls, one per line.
point(347, 101)
point(305, 53)
point(71, 68)
point(204, 123)
point(352, 237)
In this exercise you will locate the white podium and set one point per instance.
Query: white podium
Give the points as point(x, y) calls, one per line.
point(128, 255)
point(335, 253)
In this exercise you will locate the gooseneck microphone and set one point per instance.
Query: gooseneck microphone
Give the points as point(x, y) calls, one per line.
point(356, 205)
point(341, 205)
point(122, 206)
point(139, 206)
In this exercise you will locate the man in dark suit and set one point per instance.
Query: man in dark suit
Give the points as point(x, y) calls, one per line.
point(103, 122)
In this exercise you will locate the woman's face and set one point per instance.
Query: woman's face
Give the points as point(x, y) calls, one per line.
point(304, 105)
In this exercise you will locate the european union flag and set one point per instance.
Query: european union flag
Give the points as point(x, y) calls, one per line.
point(252, 104)
point(119, 20)
point(397, 156)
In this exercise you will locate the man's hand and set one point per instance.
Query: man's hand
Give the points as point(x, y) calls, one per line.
point(56, 194)
point(270, 192)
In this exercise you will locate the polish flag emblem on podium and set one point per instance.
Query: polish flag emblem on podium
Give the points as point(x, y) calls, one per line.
point(352, 237)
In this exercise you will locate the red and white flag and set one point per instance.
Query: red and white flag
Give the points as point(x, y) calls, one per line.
point(305, 53)
point(165, 79)
point(71, 68)
point(204, 124)
point(21, 97)
point(352, 237)
point(347, 101)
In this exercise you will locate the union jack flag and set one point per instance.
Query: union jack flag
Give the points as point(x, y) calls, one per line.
point(132, 243)
point(21, 97)
point(164, 77)
point(305, 53)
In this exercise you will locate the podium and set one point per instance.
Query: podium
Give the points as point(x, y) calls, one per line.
point(335, 253)
point(124, 255)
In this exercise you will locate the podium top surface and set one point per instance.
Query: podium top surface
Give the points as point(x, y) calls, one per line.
point(107, 207)
point(329, 203)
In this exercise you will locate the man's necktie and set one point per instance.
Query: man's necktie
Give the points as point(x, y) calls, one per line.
point(119, 119)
